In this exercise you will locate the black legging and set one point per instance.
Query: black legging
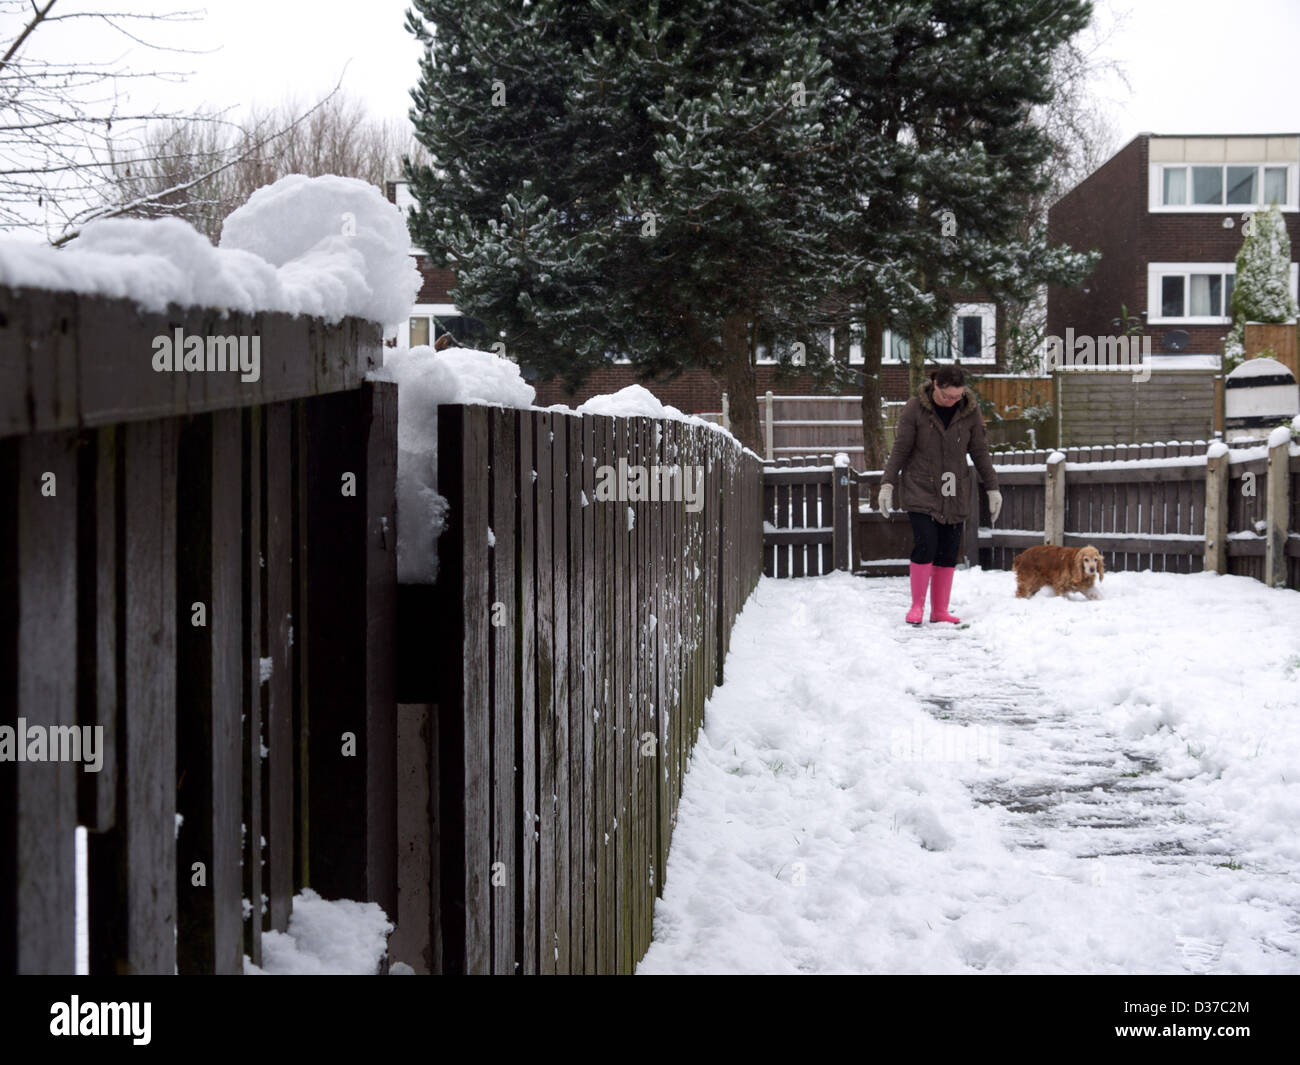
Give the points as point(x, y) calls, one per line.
point(933, 541)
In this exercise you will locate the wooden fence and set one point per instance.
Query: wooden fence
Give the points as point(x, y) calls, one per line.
point(806, 524)
point(1144, 506)
point(203, 568)
point(569, 647)
point(1010, 394)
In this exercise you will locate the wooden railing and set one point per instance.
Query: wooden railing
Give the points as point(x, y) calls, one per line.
point(201, 568)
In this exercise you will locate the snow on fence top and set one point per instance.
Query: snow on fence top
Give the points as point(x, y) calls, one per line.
point(427, 378)
point(330, 247)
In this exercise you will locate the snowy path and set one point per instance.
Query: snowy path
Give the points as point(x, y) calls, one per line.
point(1065, 786)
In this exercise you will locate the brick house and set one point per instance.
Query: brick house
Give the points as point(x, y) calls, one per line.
point(1166, 213)
point(971, 339)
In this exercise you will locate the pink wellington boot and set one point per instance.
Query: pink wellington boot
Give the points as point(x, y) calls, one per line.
point(940, 589)
point(920, 573)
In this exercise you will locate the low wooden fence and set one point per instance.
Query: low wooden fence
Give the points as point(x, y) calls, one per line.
point(806, 522)
point(1164, 507)
point(557, 674)
point(204, 569)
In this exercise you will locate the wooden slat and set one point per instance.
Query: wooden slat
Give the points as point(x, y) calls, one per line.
point(591, 706)
point(526, 732)
point(97, 612)
point(644, 429)
point(577, 707)
point(546, 708)
point(502, 557)
point(252, 433)
point(463, 727)
point(560, 635)
point(38, 630)
point(209, 695)
point(612, 518)
point(622, 680)
point(132, 868)
point(278, 580)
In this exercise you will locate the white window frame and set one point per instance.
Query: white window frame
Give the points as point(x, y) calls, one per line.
point(1155, 271)
point(1156, 184)
point(988, 339)
point(424, 310)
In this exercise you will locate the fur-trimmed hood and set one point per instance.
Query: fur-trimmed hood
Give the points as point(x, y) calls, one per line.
point(965, 405)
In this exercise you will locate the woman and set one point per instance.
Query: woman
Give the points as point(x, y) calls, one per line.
point(936, 431)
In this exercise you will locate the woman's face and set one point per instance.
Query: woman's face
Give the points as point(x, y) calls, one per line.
point(946, 397)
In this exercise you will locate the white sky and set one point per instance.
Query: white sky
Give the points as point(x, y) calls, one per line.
point(1193, 65)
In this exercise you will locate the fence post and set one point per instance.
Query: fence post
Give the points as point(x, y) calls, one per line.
point(726, 412)
point(1054, 511)
point(842, 524)
point(1216, 508)
point(767, 432)
point(1277, 511)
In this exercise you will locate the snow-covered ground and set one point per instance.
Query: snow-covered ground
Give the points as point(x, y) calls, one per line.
point(1063, 787)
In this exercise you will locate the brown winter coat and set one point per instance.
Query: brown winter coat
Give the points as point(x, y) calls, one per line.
point(925, 451)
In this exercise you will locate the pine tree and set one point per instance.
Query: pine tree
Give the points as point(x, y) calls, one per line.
point(677, 182)
point(638, 179)
point(942, 95)
point(1261, 290)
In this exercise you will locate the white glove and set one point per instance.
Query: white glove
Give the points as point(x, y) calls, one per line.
point(995, 506)
point(885, 500)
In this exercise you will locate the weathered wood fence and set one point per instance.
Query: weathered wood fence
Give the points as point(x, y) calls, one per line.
point(806, 516)
point(1165, 507)
point(556, 676)
point(204, 568)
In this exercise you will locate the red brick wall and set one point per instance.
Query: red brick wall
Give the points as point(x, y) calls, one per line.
point(1108, 211)
point(1104, 212)
point(438, 282)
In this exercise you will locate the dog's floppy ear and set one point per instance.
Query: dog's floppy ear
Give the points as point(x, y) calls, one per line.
point(1101, 567)
point(1076, 566)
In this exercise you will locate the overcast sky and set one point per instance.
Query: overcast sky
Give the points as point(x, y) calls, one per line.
point(1193, 66)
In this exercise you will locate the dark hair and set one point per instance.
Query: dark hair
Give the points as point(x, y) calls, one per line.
point(948, 376)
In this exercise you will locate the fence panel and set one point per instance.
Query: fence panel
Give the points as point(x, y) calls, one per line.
point(633, 606)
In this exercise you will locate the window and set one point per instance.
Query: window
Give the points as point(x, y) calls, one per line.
point(1198, 187)
point(1275, 184)
point(970, 337)
point(1195, 293)
point(1171, 296)
point(1175, 185)
point(436, 320)
point(1241, 184)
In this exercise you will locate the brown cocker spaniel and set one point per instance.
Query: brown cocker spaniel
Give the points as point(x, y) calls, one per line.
point(1063, 569)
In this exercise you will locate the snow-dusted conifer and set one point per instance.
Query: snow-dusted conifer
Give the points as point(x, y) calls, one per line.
point(1261, 291)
